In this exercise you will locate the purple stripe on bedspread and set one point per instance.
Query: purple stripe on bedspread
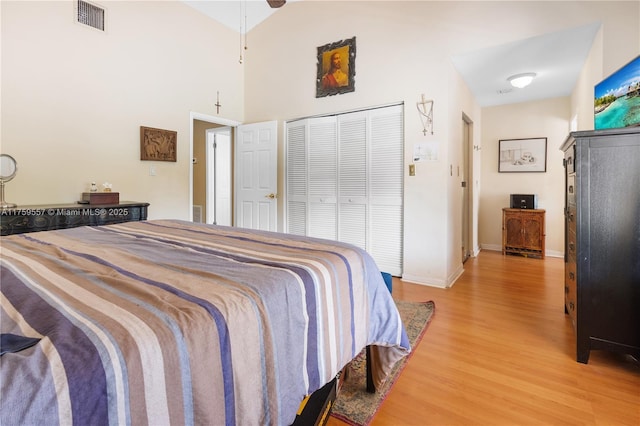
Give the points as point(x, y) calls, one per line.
point(312, 303)
point(308, 282)
point(223, 332)
point(305, 276)
point(85, 374)
point(307, 279)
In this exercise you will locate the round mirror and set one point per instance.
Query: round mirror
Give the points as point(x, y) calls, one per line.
point(8, 169)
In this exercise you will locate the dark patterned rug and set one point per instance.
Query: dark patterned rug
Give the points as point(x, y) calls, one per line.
point(354, 405)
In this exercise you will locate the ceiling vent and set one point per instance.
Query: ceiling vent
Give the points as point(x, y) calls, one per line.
point(90, 14)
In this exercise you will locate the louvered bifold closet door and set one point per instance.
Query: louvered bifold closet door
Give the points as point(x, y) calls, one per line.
point(386, 188)
point(297, 177)
point(345, 181)
point(352, 179)
point(323, 178)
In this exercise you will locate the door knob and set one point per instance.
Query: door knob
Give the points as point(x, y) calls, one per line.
point(272, 196)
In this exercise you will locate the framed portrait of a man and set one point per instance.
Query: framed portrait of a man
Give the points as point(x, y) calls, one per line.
point(336, 68)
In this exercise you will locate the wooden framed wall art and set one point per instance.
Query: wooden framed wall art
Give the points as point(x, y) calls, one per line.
point(158, 144)
point(336, 68)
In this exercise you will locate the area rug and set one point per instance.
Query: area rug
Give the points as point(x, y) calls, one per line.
point(354, 405)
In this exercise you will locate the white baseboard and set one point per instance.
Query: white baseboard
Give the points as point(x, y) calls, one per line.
point(491, 247)
point(547, 253)
point(428, 281)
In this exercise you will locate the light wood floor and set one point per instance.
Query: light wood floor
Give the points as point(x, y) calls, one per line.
point(500, 351)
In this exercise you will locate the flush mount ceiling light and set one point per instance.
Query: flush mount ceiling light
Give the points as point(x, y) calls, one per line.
point(521, 80)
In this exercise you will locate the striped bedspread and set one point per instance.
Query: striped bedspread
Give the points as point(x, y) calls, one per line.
point(171, 322)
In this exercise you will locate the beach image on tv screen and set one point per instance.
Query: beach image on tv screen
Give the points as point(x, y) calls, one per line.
point(617, 99)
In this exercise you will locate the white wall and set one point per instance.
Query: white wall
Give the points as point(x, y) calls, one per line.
point(462, 101)
point(548, 118)
point(582, 106)
point(74, 98)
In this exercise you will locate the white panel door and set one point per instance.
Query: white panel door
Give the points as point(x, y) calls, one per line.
point(257, 175)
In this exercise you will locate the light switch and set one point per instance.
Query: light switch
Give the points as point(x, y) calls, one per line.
point(412, 169)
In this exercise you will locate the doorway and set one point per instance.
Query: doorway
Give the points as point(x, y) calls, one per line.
point(219, 184)
point(467, 129)
point(256, 141)
point(199, 125)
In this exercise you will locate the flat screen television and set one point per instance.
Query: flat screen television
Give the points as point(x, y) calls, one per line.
point(617, 98)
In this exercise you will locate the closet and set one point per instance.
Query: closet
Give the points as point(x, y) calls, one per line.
point(344, 178)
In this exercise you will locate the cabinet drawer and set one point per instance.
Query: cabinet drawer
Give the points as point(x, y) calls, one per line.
point(570, 289)
point(571, 189)
point(571, 218)
point(571, 243)
point(570, 155)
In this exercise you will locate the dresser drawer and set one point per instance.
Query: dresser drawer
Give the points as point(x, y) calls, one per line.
point(571, 243)
point(570, 289)
point(571, 218)
point(571, 189)
point(569, 157)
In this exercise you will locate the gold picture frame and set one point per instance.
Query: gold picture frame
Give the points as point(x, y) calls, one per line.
point(158, 144)
point(336, 68)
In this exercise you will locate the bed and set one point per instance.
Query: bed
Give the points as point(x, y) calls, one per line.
point(171, 322)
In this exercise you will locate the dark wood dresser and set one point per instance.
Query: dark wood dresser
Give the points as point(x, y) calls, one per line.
point(602, 240)
point(23, 219)
point(523, 232)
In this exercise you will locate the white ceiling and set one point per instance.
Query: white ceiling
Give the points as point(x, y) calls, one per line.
point(556, 58)
point(232, 13)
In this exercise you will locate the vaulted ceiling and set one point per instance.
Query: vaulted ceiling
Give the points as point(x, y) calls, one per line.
point(556, 58)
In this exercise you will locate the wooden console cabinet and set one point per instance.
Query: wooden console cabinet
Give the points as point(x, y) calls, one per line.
point(523, 232)
point(602, 240)
point(24, 219)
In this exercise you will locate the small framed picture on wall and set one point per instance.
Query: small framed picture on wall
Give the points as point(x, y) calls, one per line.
point(522, 155)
